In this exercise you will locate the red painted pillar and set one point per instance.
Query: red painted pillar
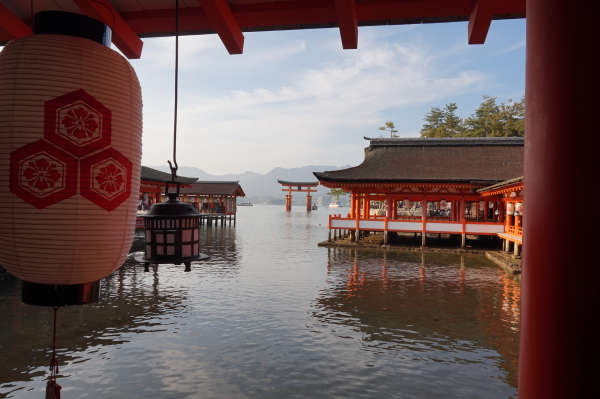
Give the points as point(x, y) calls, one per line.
point(288, 200)
point(560, 319)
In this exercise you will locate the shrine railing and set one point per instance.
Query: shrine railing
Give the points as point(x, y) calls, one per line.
point(516, 231)
point(416, 224)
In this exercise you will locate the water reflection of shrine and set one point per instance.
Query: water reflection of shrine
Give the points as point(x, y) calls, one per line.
point(444, 301)
point(221, 245)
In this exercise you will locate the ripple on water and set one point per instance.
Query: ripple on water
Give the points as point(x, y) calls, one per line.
point(271, 315)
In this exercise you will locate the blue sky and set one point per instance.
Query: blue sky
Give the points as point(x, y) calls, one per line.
point(296, 98)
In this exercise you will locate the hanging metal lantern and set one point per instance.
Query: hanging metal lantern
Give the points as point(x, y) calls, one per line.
point(172, 227)
point(70, 158)
point(172, 233)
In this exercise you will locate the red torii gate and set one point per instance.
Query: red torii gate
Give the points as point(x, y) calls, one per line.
point(304, 187)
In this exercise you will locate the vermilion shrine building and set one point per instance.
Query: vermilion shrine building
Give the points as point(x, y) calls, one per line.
point(215, 198)
point(434, 186)
point(509, 195)
point(560, 319)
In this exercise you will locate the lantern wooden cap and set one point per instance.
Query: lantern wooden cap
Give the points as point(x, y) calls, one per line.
point(60, 295)
point(71, 24)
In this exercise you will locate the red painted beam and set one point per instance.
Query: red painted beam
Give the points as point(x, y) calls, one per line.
point(296, 14)
point(11, 27)
point(480, 20)
point(223, 21)
point(346, 14)
point(123, 37)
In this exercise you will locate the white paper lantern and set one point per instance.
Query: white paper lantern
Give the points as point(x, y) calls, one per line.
point(510, 209)
point(70, 152)
point(519, 208)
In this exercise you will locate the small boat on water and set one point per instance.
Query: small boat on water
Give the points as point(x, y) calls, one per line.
point(245, 204)
point(335, 204)
point(315, 207)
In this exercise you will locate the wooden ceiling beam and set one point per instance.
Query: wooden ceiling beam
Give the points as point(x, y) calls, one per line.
point(298, 14)
point(123, 36)
point(223, 21)
point(11, 27)
point(480, 20)
point(348, 23)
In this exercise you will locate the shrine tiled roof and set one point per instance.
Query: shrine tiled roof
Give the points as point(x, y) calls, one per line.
point(153, 175)
point(477, 159)
point(215, 188)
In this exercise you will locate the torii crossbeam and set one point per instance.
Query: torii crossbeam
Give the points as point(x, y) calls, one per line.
point(304, 187)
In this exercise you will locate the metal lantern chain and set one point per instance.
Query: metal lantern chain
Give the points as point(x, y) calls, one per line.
point(174, 168)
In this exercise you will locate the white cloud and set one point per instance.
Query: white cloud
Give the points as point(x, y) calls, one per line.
point(315, 113)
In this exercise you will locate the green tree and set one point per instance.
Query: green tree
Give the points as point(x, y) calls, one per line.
point(442, 122)
point(489, 120)
point(511, 119)
point(453, 124)
point(482, 122)
point(434, 119)
point(336, 192)
point(391, 127)
point(492, 120)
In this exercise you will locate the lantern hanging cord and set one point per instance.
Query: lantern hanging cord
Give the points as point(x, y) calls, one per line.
point(53, 361)
point(174, 169)
point(52, 388)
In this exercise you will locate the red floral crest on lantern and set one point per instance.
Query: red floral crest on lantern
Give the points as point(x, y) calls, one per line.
point(106, 178)
point(110, 178)
point(42, 174)
point(78, 123)
point(76, 127)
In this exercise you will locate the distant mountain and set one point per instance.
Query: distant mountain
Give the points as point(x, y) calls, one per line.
point(257, 185)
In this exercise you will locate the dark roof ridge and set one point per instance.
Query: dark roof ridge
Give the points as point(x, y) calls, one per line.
point(502, 184)
point(298, 183)
point(218, 181)
point(158, 176)
point(446, 141)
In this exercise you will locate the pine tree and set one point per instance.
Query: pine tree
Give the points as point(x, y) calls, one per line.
point(480, 124)
point(453, 124)
point(489, 120)
point(442, 122)
point(434, 119)
point(391, 127)
point(336, 192)
point(511, 119)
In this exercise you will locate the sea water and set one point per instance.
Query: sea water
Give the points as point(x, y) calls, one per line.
point(272, 315)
